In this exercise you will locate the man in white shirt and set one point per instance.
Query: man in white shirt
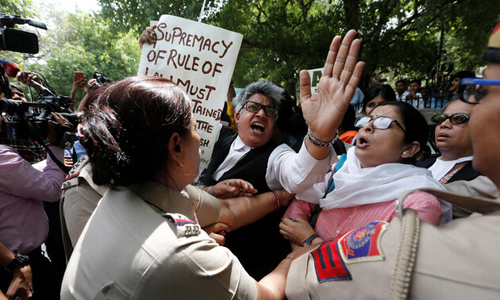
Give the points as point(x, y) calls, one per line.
point(414, 97)
point(401, 90)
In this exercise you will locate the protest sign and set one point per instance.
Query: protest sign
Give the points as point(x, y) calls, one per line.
point(357, 99)
point(315, 75)
point(200, 59)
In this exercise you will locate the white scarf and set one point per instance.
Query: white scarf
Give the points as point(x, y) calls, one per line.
point(441, 167)
point(358, 186)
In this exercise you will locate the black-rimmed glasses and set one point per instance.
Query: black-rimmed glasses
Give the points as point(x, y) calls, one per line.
point(455, 119)
point(379, 122)
point(475, 87)
point(254, 107)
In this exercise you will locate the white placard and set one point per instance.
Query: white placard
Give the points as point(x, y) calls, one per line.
point(315, 75)
point(200, 59)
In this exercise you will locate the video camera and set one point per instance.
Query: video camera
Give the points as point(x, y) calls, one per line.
point(100, 79)
point(28, 121)
point(17, 40)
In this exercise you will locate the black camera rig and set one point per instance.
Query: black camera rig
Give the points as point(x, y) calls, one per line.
point(28, 121)
point(100, 79)
point(18, 40)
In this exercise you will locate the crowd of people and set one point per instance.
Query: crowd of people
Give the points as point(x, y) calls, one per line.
point(304, 202)
point(434, 95)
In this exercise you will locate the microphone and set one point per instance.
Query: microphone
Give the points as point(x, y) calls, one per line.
point(40, 87)
point(9, 68)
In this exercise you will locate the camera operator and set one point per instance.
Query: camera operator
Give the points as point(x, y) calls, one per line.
point(24, 225)
point(31, 148)
point(31, 151)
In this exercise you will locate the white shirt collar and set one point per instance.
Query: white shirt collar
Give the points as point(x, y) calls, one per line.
point(239, 145)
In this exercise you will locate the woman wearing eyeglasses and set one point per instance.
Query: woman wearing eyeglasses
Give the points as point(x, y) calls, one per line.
point(453, 140)
point(454, 163)
point(374, 174)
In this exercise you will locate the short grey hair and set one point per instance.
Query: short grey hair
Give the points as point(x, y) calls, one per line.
point(264, 87)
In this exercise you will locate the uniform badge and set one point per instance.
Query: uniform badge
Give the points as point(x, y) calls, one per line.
point(70, 181)
point(71, 177)
point(328, 263)
point(185, 226)
point(362, 244)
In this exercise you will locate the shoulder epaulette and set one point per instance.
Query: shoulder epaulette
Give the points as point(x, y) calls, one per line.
point(185, 226)
point(72, 178)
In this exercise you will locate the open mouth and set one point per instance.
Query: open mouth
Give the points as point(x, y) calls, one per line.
point(257, 127)
point(361, 142)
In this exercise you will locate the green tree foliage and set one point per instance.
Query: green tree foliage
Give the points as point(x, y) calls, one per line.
point(280, 37)
point(406, 38)
point(399, 36)
point(84, 42)
point(467, 37)
point(136, 14)
point(22, 8)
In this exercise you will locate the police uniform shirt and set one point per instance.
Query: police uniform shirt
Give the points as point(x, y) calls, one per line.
point(132, 249)
point(79, 198)
point(457, 260)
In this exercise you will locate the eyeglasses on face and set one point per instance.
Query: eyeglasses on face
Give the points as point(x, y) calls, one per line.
point(475, 87)
point(455, 119)
point(254, 107)
point(379, 122)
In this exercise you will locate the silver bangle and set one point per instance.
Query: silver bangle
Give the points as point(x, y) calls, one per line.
point(316, 142)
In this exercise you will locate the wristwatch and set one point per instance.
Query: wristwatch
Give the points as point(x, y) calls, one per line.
point(309, 240)
point(19, 260)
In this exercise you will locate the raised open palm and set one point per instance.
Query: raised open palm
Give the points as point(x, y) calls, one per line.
point(324, 110)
